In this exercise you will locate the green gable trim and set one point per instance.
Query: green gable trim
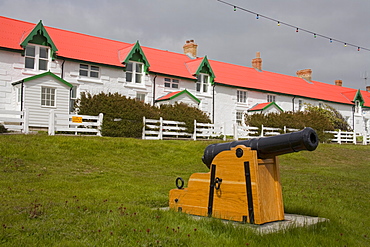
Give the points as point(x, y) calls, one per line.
point(267, 106)
point(137, 54)
point(40, 36)
point(180, 93)
point(358, 97)
point(205, 68)
point(42, 75)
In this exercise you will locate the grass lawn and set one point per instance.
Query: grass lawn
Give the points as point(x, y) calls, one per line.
point(90, 191)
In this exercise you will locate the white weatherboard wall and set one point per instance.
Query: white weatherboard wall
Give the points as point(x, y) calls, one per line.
point(39, 115)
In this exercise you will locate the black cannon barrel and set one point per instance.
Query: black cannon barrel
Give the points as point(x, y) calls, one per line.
point(268, 147)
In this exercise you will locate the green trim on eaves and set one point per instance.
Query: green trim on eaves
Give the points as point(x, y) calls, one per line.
point(42, 75)
point(205, 68)
point(180, 93)
point(137, 54)
point(267, 106)
point(359, 97)
point(172, 76)
point(36, 37)
point(298, 96)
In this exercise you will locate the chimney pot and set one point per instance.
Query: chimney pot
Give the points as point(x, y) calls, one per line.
point(190, 49)
point(338, 83)
point(305, 74)
point(257, 62)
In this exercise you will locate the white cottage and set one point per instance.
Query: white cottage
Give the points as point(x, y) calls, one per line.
point(43, 68)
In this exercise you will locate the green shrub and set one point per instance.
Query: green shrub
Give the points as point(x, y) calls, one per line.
point(184, 113)
point(3, 129)
point(320, 119)
point(123, 117)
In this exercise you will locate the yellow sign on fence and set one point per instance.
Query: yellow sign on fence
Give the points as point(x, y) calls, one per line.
point(76, 119)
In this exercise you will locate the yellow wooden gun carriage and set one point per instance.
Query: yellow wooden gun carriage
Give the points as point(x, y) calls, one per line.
point(244, 182)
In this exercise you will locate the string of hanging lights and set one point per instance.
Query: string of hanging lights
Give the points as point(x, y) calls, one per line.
point(297, 29)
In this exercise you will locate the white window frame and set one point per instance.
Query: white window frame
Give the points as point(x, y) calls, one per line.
point(37, 58)
point(357, 107)
point(202, 85)
point(241, 96)
point(171, 83)
point(140, 96)
point(239, 117)
point(271, 98)
point(137, 76)
point(48, 97)
point(87, 70)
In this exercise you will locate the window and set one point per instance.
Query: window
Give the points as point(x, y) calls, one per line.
point(202, 84)
point(171, 83)
point(241, 96)
point(239, 117)
point(47, 96)
point(271, 98)
point(89, 70)
point(357, 107)
point(140, 97)
point(134, 72)
point(73, 98)
point(37, 57)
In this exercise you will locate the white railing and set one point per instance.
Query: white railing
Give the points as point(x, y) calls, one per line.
point(75, 123)
point(15, 120)
point(208, 130)
point(269, 131)
point(347, 137)
point(158, 129)
point(245, 132)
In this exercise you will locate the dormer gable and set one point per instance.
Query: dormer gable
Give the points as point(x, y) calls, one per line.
point(40, 36)
point(134, 53)
point(201, 66)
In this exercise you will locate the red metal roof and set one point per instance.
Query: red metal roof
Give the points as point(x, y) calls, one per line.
point(84, 47)
point(259, 107)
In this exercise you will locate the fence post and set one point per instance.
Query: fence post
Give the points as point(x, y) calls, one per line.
point(195, 130)
point(51, 128)
point(354, 137)
point(143, 135)
point(100, 122)
point(284, 129)
point(235, 127)
point(224, 131)
point(261, 130)
point(160, 134)
point(25, 121)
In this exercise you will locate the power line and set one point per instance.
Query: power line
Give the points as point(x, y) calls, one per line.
point(279, 23)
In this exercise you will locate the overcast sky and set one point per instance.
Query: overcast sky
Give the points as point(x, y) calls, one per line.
point(224, 34)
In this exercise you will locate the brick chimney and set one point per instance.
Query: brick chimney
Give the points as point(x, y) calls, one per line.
point(257, 62)
point(338, 83)
point(190, 49)
point(368, 88)
point(305, 74)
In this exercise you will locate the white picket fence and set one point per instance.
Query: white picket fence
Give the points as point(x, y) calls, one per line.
point(155, 129)
point(15, 120)
point(208, 130)
point(349, 137)
point(75, 123)
point(249, 132)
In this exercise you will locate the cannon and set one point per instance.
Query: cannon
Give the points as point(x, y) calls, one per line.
point(243, 183)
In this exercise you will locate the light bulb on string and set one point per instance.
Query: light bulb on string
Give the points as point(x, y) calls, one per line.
point(331, 41)
point(234, 8)
point(296, 30)
point(345, 44)
point(314, 35)
point(258, 16)
point(358, 48)
point(278, 23)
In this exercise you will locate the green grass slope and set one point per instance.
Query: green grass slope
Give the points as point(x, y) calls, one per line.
point(89, 191)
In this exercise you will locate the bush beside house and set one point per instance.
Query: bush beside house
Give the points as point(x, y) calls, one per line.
point(123, 117)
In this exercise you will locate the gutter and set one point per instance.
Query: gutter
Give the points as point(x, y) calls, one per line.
point(213, 103)
point(155, 77)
